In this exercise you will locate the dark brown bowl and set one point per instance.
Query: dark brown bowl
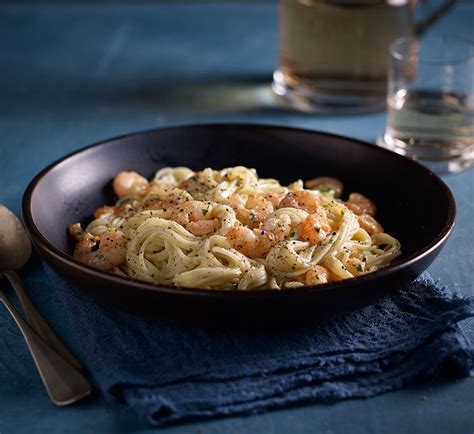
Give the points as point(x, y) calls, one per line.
point(414, 205)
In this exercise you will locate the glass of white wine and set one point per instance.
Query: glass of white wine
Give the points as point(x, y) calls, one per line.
point(430, 102)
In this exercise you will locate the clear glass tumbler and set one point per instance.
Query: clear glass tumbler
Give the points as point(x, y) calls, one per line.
point(430, 102)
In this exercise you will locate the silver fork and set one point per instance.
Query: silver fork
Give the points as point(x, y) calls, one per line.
point(58, 368)
point(63, 382)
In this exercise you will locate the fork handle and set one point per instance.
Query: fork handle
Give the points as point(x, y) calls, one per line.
point(37, 322)
point(64, 384)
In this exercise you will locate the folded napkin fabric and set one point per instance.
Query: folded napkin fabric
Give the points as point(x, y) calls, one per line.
point(171, 372)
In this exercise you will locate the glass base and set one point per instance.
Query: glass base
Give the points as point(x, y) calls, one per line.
point(453, 164)
point(328, 99)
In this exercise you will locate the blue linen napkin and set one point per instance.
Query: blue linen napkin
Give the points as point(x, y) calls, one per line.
point(171, 372)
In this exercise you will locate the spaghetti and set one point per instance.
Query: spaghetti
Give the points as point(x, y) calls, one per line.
point(230, 229)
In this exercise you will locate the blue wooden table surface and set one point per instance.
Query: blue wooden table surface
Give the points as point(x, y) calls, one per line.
point(71, 75)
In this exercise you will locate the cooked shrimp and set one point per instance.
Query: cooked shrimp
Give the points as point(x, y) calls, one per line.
point(252, 243)
point(166, 198)
point(371, 225)
point(355, 266)
point(278, 227)
point(317, 275)
point(199, 184)
point(105, 252)
point(192, 215)
point(76, 231)
point(325, 183)
point(203, 228)
point(360, 204)
point(315, 228)
point(257, 243)
point(272, 197)
point(129, 184)
point(251, 212)
point(155, 186)
point(302, 200)
point(117, 210)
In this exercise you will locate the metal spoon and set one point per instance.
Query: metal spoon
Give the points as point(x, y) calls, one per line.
point(58, 368)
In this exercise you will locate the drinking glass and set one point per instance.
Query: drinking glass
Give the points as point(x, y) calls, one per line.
point(430, 102)
point(333, 53)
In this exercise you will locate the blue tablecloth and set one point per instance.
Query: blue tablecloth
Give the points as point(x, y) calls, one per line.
point(74, 74)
